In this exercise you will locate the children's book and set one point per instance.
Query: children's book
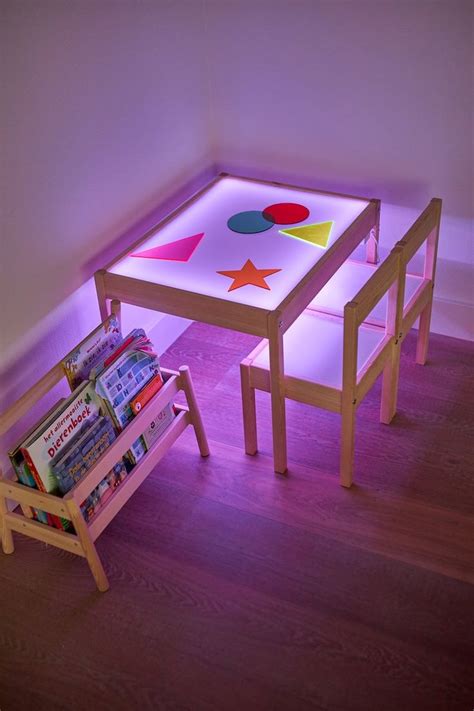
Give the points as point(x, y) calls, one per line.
point(103, 491)
point(120, 382)
point(146, 393)
point(158, 426)
point(20, 467)
point(162, 420)
point(98, 345)
point(135, 340)
point(84, 450)
point(52, 435)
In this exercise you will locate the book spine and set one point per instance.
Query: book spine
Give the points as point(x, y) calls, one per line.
point(121, 348)
point(53, 520)
point(145, 395)
point(26, 478)
point(32, 468)
point(110, 412)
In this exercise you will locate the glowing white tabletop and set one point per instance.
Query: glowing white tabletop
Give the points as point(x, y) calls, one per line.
point(222, 249)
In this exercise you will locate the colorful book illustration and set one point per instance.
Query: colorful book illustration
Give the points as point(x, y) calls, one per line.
point(83, 451)
point(99, 344)
point(162, 420)
point(146, 393)
point(22, 471)
point(121, 381)
point(136, 339)
point(103, 491)
point(53, 435)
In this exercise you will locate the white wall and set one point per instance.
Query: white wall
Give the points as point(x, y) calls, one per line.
point(112, 106)
point(105, 115)
point(373, 98)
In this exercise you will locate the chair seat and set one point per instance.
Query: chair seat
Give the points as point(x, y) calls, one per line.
point(313, 348)
point(345, 284)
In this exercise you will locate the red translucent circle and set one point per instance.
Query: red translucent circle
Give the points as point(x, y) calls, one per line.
point(286, 213)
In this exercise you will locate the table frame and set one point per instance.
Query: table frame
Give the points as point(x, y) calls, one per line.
point(242, 317)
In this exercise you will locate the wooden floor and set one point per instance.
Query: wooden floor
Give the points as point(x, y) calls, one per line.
point(234, 588)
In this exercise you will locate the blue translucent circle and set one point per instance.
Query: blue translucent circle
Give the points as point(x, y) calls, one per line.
point(249, 222)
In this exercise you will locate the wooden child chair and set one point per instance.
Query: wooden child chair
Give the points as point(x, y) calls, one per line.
point(332, 362)
point(418, 297)
point(376, 320)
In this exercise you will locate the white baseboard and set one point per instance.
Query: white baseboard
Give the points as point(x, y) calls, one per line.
point(453, 318)
point(162, 329)
point(166, 331)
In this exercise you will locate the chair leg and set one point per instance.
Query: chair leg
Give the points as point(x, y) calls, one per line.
point(347, 446)
point(423, 334)
point(248, 409)
point(388, 405)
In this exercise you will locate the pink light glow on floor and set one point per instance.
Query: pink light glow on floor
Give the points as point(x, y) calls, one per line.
point(313, 349)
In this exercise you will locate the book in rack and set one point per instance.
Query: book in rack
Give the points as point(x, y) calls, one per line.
point(52, 435)
point(69, 468)
point(91, 351)
point(122, 379)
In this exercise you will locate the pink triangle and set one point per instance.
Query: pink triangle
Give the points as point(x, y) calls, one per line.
point(179, 251)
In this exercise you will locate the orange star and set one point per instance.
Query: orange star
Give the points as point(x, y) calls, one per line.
point(249, 274)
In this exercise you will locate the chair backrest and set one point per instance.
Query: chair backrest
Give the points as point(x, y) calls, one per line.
point(424, 229)
point(388, 277)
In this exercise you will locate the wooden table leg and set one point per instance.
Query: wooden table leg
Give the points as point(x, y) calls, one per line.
point(116, 310)
point(372, 245)
point(100, 289)
point(249, 412)
point(277, 390)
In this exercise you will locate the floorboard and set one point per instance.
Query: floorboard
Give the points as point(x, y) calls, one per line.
point(232, 587)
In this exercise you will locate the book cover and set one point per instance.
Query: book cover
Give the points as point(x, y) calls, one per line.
point(16, 458)
point(135, 340)
point(98, 345)
point(121, 381)
point(22, 471)
point(52, 436)
point(162, 420)
point(25, 477)
point(91, 441)
point(80, 456)
point(103, 491)
point(146, 393)
point(158, 426)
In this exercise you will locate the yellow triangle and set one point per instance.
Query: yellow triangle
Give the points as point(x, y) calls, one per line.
point(317, 234)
